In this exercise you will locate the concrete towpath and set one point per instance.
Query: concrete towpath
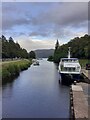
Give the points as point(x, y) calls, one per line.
point(80, 103)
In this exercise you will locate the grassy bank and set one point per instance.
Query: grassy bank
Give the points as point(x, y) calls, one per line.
point(83, 62)
point(12, 69)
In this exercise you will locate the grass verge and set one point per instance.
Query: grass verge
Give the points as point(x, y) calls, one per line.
point(83, 62)
point(12, 69)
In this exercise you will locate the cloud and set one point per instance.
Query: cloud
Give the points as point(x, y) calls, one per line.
point(63, 20)
point(14, 15)
point(64, 14)
point(38, 33)
point(58, 14)
point(9, 23)
point(33, 44)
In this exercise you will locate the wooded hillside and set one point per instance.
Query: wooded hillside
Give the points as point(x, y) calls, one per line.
point(80, 48)
point(11, 49)
point(44, 53)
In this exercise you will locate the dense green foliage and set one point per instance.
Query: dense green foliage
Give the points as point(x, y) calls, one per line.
point(83, 62)
point(13, 68)
point(80, 48)
point(50, 58)
point(32, 54)
point(10, 49)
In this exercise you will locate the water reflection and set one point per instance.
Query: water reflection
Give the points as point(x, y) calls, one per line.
point(36, 93)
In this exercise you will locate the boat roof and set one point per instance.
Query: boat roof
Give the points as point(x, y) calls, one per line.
point(69, 58)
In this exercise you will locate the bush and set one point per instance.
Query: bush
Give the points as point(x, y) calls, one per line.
point(50, 58)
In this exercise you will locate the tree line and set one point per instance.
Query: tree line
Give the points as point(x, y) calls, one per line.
point(10, 49)
point(80, 48)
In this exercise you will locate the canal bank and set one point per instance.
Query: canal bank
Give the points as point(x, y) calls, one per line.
point(79, 101)
point(80, 98)
point(12, 69)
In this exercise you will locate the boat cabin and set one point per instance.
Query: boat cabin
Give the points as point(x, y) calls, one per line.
point(69, 65)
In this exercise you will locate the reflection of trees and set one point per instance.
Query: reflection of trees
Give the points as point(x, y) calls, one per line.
point(7, 87)
point(9, 81)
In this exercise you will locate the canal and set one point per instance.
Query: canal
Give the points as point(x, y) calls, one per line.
point(36, 93)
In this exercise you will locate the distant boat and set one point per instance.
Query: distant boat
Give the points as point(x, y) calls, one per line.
point(35, 62)
point(69, 68)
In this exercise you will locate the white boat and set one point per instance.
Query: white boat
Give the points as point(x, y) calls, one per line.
point(35, 62)
point(69, 68)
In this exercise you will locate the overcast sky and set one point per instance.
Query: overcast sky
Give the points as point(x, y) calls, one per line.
point(39, 25)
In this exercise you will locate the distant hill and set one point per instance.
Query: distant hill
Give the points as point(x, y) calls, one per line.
point(44, 53)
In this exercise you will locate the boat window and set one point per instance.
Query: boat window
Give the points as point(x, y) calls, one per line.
point(65, 69)
point(69, 60)
point(73, 69)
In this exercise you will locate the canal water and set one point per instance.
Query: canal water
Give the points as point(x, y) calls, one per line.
point(36, 93)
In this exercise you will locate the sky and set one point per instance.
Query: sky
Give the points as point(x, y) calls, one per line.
point(37, 25)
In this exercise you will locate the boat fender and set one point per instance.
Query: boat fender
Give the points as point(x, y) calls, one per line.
point(75, 82)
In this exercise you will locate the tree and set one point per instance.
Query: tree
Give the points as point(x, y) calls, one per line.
point(32, 54)
point(3, 38)
point(79, 48)
point(56, 52)
point(10, 49)
point(57, 45)
point(10, 39)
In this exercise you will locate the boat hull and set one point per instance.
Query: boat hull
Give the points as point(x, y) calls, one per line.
point(69, 78)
